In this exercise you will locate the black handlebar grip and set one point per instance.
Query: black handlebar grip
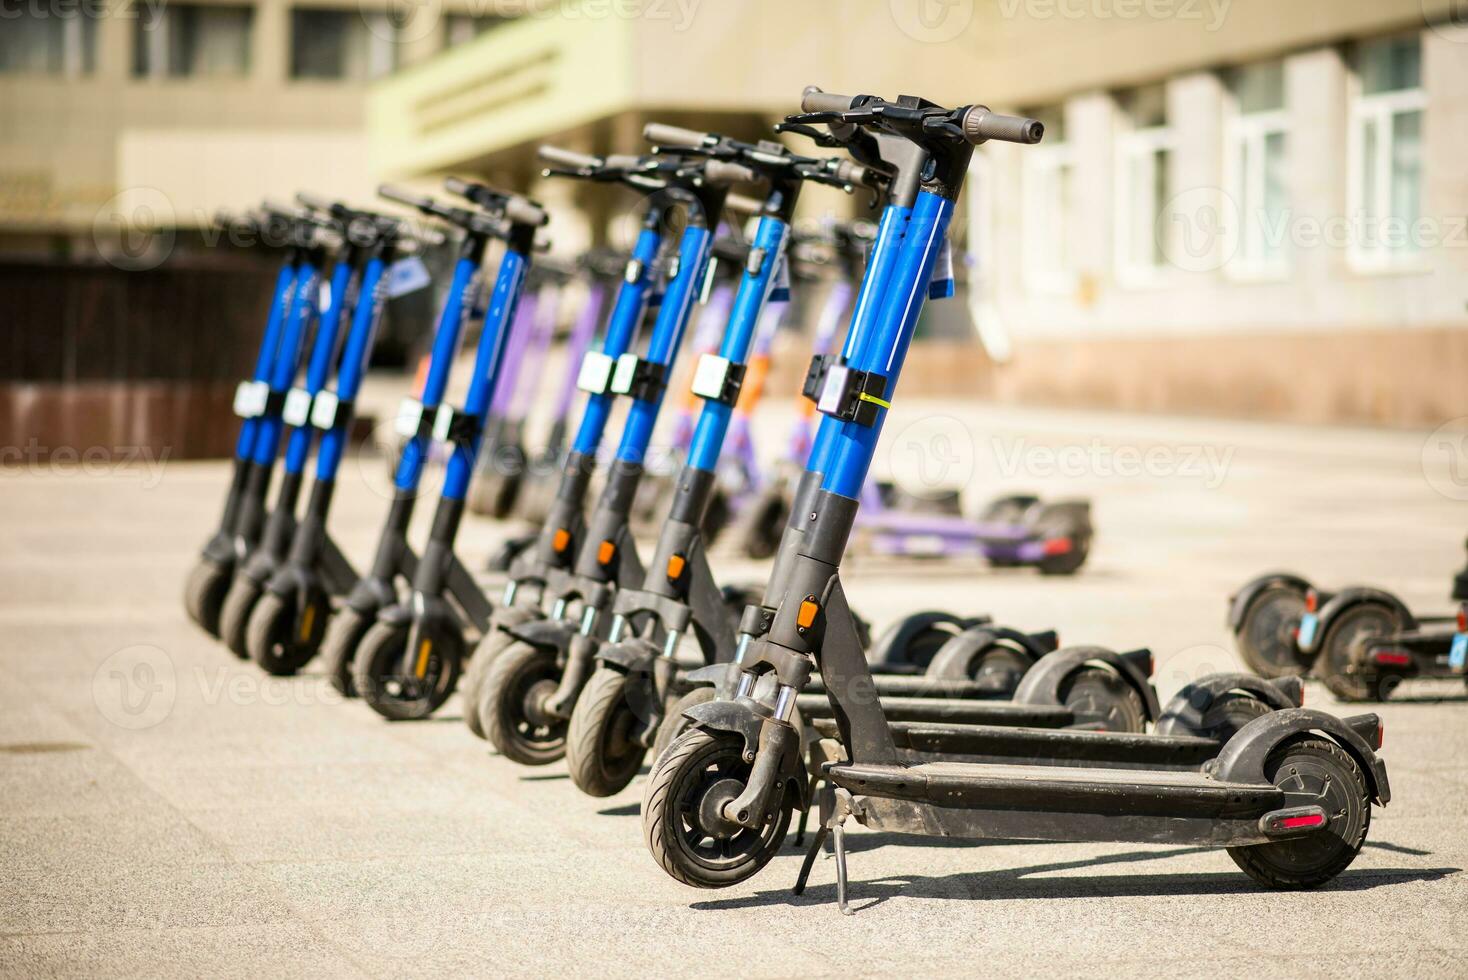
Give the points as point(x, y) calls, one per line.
point(569, 159)
point(724, 172)
point(401, 196)
point(980, 124)
point(814, 100)
point(662, 134)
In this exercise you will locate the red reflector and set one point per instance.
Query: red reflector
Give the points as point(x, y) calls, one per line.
point(1309, 820)
point(1058, 546)
point(1462, 620)
point(1312, 601)
point(1393, 658)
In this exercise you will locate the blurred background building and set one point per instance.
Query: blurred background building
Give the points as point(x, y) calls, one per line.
point(1248, 208)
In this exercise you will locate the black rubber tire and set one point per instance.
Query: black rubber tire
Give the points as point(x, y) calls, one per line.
point(761, 529)
point(375, 674)
point(674, 724)
point(692, 765)
point(716, 517)
point(1060, 521)
point(234, 615)
point(491, 645)
point(518, 670)
point(1266, 636)
point(204, 592)
point(1342, 638)
point(1312, 771)
point(1003, 664)
point(270, 636)
point(339, 648)
point(1098, 694)
point(1226, 715)
point(602, 752)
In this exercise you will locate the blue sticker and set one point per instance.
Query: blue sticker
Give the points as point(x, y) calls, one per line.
point(1309, 623)
point(1458, 655)
point(406, 276)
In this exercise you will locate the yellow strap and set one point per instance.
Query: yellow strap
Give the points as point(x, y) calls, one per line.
point(874, 400)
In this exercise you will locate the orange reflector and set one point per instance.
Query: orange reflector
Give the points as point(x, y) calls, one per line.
point(676, 564)
point(421, 669)
point(306, 621)
point(807, 614)
point(561, 539)
point(1463, 620)
point(605, 552)
point(1311, 601)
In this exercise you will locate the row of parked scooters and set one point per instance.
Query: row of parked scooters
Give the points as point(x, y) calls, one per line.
point(946, 724)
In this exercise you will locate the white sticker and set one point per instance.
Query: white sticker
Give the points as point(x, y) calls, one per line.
point(626, 370)
point(410, 416)
point(324, 296)
point(323, 411)
point(940, 284)
point(442, 422)
point(297, 407)
point(709, 375)
point(250, 398)
point(780, 289)
point(596, 372)
point(407, 275)
point(830, 400)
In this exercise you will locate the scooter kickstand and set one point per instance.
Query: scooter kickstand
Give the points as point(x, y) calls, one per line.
point(835, 808)
point(815, 782)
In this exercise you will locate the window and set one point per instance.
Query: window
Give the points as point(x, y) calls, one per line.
point(1143, 184)
point(39, 41)
point(1254, 170)
point(191, 41)
point(348, 45)
point(1385, 165)
point(462, 28)
point(1048, 186)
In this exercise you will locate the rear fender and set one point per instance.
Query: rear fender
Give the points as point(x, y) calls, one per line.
point(1042, 682)
point(1240, 601)
point(1183, 715)
point(889, 647)
point(1243, 756)
point(954, 658)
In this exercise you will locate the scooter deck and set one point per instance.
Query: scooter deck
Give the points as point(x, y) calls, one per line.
point(962, 711)
point(918, 685)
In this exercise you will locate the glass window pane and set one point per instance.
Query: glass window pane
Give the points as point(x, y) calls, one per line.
point(460, 28)
point(1275, 201)
point(1259, 87)
point(318, 43)
point(31, 42)
point(1158, 202)
point(1369, 152)
point(1390, 64)
point(1406, 179)
point(211, 41)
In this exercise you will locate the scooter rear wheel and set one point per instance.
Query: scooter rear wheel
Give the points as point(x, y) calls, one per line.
point(1099, 696)
point(271, 637)
point(234, 615)
point(1266, 637)
point(602, 750)
point(1312, 772)
point(518, 681)
point(204, 592)
point(339, 648)
point(1342, 664)
point(682, 820)
point(380, 681)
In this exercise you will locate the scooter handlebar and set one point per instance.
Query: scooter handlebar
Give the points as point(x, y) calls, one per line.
point(662, 134)
point(814, 100)
point(569, 159)
point(723, 173)
point(399, 195)
point(743, 204)
point(981, 124)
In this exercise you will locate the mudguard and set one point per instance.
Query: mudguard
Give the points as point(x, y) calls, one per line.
point(954, 657)
point(543, 634)
point(371, 594)
point(743, 718)
point(1239, 602)
point(900, 634)
point(1243, 756)
point(1355, 596)
point(1183, 715)
point(634, 656)
point(1041, 683)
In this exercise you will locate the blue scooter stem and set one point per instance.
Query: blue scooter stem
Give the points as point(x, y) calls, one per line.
point(749, 302)
point(626, 315)
point(318, 369)
point(445, 344)
point(280, 301)
point(667, 335)
point(488, 362)
point(287, 357)
point(365, 318)
point(854, 444)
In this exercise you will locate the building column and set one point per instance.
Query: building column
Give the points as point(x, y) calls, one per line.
point(1090, 124)
point(1315, 167)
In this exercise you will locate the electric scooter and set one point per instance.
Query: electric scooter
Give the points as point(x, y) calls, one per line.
point(1362, 642)
point(394, 560)
point(286, 626)
point(249, 581)
point(258, 406)
point(527, 693)
point(409, 660)
point(1288, 794)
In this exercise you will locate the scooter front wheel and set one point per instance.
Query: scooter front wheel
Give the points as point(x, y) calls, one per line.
point(1266, 637)
point(339, 648)
point(674, 724)
point(516, 687)
point(234, 616)
point(204, 592)
point(495, 642)
point(399, 696)
point(1312, 772)
point(682, 813)
point(1098, 696)
point(271, 636)
point(602, 748)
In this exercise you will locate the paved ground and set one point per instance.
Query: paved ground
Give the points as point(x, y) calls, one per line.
point(164, 808)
